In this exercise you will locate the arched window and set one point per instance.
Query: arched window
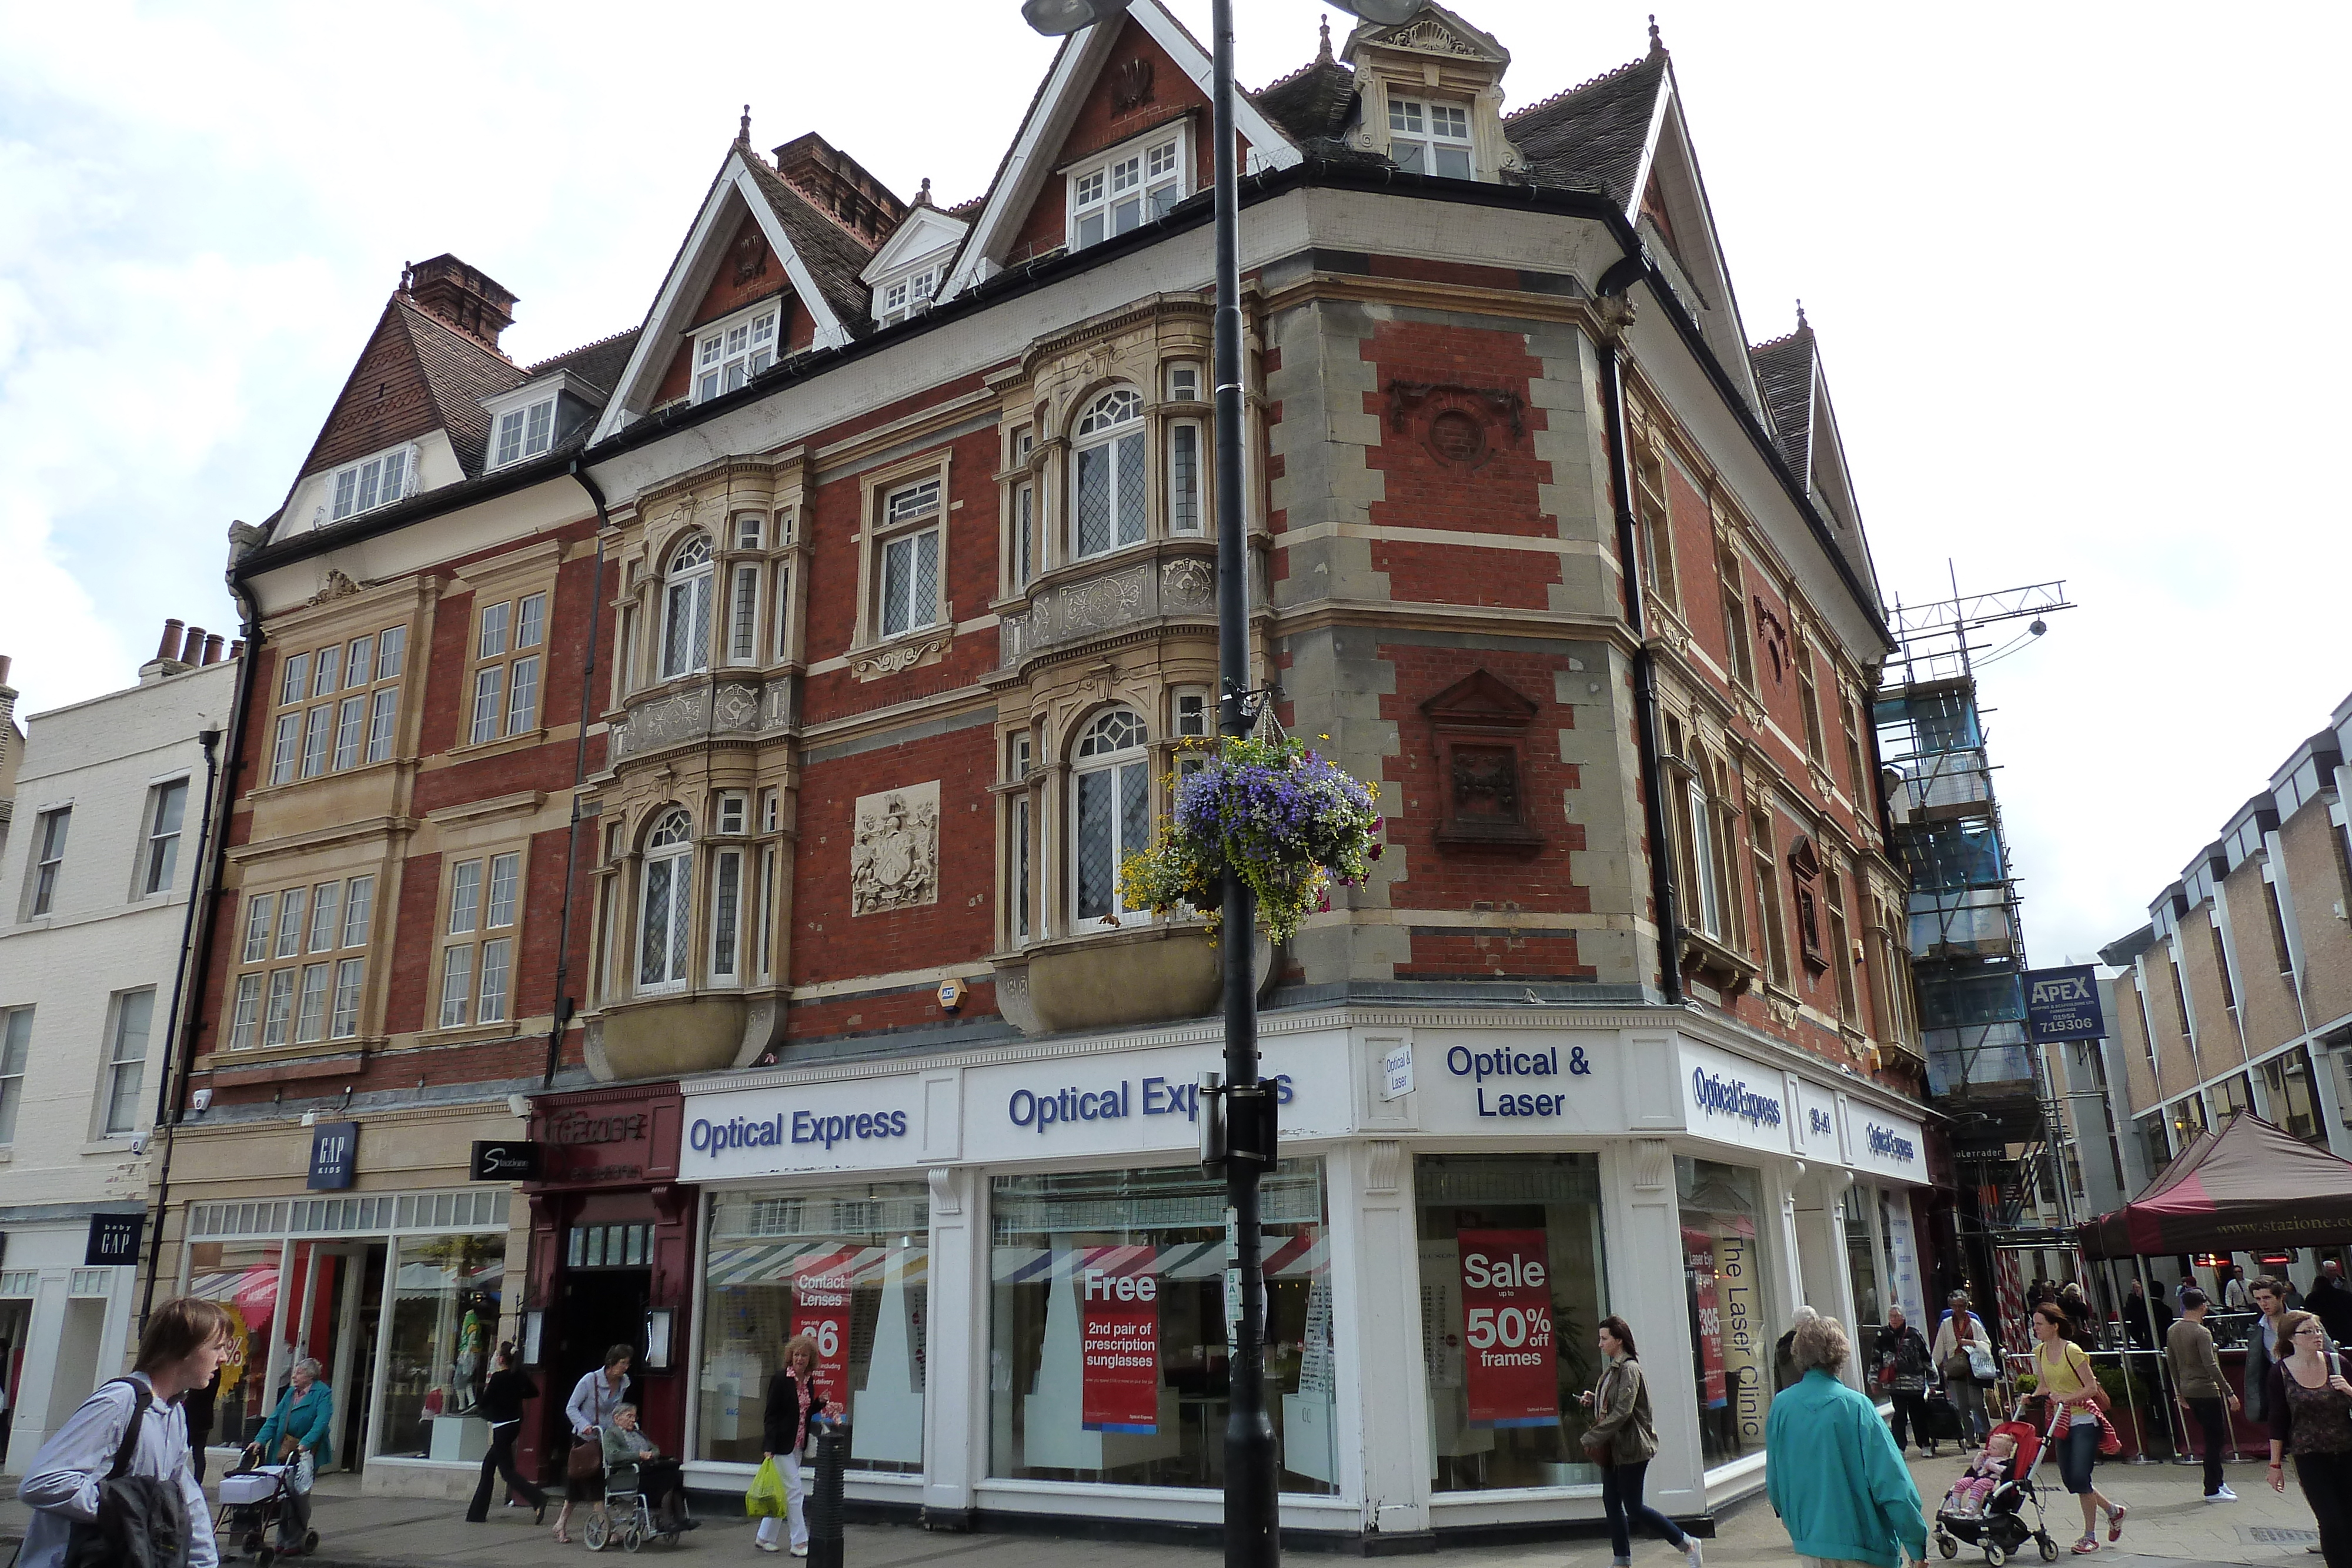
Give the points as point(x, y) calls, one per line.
point(686, 610)
point(1109, 483)
point(1113, 806)
point(665, 925)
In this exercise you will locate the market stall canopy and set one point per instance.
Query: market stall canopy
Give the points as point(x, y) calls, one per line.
point(2245, 1185)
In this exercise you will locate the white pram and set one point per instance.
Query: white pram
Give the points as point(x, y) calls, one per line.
point(252, 1503)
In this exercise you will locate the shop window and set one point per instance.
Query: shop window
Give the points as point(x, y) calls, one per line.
point(241, 1278)
point(437, 1356)
point(1512, 1291)
point(1112, 807)
point(665, 912)
point(1479, 726)
point(1107, 475)
point(1138, 1256)
point(850, 1267)
point(1862, 1265)
point(686, 610)
point(1726, 1276)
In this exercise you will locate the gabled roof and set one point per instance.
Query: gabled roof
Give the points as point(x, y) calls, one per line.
point(1804, 427)
point(1595, 137)
point(1021, 177)
point(924, 229)
point(455, 371)
point(820, 258)
point(1314, 105)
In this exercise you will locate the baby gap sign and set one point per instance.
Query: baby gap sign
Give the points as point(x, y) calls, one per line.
point(1507, 1330)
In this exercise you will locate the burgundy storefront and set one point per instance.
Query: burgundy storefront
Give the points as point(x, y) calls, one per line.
point(612, 1254)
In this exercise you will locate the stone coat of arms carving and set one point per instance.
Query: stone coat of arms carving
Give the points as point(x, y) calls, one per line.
point(893, 857)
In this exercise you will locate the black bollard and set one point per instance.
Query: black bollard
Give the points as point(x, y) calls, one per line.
point(825, 1498)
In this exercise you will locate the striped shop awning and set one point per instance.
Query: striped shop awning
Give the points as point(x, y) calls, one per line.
point(1284, 1257)
point(780, 1263)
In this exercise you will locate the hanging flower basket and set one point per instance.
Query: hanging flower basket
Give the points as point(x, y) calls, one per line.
point(1287, 820)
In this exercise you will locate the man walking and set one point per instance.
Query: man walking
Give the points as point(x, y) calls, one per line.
point(2265, 1343)
point(2196, 1377)
point(2331, 1303)
point(1902, 1351)
point(2148, 1321)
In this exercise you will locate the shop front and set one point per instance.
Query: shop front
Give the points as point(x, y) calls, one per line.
point(611, 1248)
point(1013, 1270)
point(364, 1245)
point(68, 1299)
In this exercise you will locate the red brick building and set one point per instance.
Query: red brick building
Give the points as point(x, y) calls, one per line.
point(790, 676)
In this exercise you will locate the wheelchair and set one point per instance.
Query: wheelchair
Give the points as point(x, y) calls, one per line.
point(627, 1516)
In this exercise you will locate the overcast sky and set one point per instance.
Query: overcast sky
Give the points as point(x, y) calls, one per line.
point(2077, 272)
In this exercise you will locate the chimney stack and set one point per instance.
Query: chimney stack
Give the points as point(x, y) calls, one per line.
point(178, 651)
point(236, 649)
point(462, 296)
point(168, 648)
point(191, 651)
point(213, 649)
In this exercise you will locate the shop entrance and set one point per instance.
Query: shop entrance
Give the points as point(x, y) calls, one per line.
point(601, 1310)
point(339, 1300)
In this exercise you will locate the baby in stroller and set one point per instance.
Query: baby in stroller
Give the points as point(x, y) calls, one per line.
point(1994, 1506)
point(1994, 1463)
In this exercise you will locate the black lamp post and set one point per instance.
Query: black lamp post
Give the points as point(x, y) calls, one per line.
point(1253, 1526)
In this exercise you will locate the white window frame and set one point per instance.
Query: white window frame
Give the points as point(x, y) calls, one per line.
point(15, 1054)
point(125, 1075)
point(730, 351)
point(376, 480)
point(1125, 187)
point(689, 583)
point(1414, 127)
point(1188, 465)
point(670, 846)
point(522, 431)
point(353, 695)
point(727, 868)
point(288, 932)
point(906, 515)
point(1113, 426)
point(1125, 766)
point(908, 294)
point(52, 830)
point(511, 655)
point(159, 860)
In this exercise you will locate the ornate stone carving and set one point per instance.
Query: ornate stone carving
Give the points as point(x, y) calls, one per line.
point(1013, 999)
point(893, 857)
point(735, 707)
point(333, 585)
point(1186, 585)
point(900, 656)
point(1131, 84)
point(776, 706)
point(1431, 37)
point(1104, 603)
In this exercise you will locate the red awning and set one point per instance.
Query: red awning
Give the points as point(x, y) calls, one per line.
point(2245, 1185)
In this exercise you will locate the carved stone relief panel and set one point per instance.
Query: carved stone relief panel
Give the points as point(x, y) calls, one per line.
point(893, 857)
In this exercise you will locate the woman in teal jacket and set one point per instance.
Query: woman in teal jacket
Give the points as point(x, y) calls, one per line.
point(1831, 1466)
point(304, 1419)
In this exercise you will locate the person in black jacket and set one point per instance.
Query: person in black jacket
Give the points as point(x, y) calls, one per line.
point(1902, 1351)
point(793, 1403)
point(501, 1405)
point(199, 1403)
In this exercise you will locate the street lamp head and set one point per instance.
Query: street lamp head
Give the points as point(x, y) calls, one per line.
point(1055, 18)
point(1387, 13)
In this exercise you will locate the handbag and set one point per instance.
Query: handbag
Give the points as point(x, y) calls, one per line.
point(141, 1521)
point(1981, 1367)
point(586, 1461)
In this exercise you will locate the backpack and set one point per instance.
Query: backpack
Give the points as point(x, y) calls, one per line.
point(142, 1521)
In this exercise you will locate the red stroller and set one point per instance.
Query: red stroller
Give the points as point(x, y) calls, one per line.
point(1999, 1527)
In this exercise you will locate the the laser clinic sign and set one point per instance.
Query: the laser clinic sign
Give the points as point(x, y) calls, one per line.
point(1733, 1099)
point(1509, 1371)
point(868, 1123)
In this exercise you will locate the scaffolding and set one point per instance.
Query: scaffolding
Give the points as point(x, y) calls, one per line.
point(1965, 938)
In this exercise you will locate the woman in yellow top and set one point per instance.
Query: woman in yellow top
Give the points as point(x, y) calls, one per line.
point(2063, 1371)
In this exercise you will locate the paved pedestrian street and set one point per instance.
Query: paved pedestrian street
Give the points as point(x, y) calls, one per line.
point(2169, 1524)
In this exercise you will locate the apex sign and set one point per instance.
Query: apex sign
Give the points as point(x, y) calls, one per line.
point(2064, 1004)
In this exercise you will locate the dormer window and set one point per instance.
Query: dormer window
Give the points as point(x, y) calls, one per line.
point(524, 433)
point(376, 481)
point(730, 353)
point(1127, 188)
point(1429, 137)
point(910, 296)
